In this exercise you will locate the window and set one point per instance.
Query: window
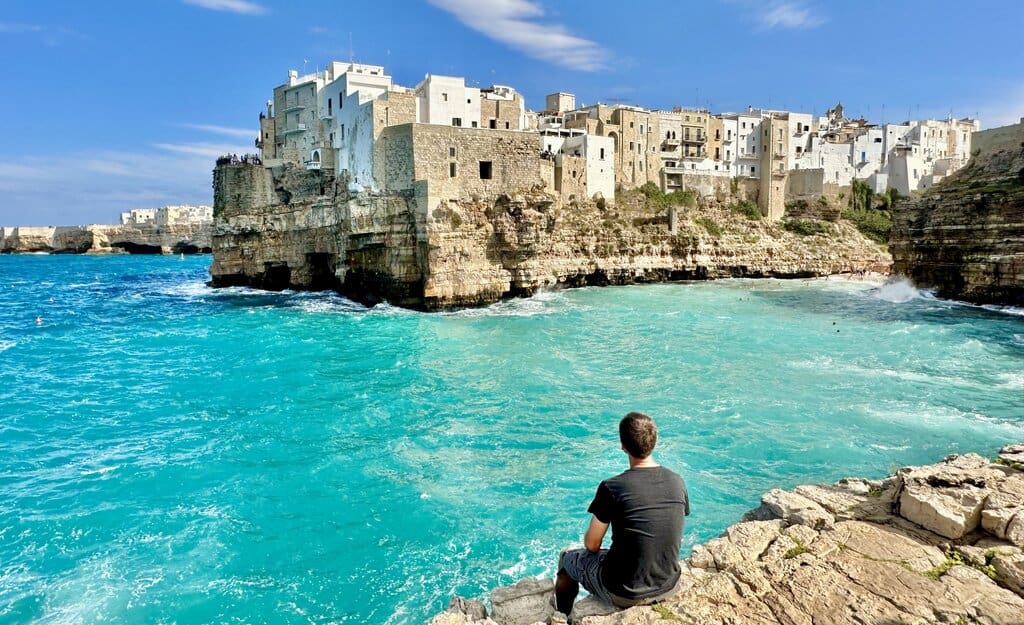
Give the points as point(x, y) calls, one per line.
point(494, 123)
point(485, 170)
point(341, 132)
point(602, 153)
point(782, 167)
point(863, 157)
point(718, 154)
point(451, 169)
point(631, 146)
point(457, 121)
point(779, 148)
point(718, 134)
point(451, 152)
point(330, 106)
point(806, 127)
point(468, 101)
point(474, 124)
point(753, 170)
point(799, 149)
point(506, 125)
point(444, 97)
point(641, 129)
point(341, 101)
point(780, 133)
point(744, 124)
point(630, 124)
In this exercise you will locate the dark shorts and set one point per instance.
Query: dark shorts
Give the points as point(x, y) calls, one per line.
point(585, 567)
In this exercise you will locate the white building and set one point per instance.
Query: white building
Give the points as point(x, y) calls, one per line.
point(447, 100)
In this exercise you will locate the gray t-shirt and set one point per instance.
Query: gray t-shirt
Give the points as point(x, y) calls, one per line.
point(645, 507)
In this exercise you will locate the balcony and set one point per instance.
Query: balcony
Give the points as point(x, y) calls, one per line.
point(697, 139)
point(313, 165)
point(294, 106)
point(298, 128)
point(669, 144)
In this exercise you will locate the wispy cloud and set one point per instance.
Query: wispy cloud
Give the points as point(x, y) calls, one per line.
point(205, 150)
point(791, 14)
point(94, 186)
point(51, 35)
point(243, 7)
point(788, 15)
point(227, 131)
point(520, 25)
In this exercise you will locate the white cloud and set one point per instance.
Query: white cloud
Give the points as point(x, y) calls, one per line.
point(787, 15)
point(243, 7)
point(9, 27)
point(93, 187)
point(49, 34)
point(520, 25)
point(772, 14)
point(228, 131)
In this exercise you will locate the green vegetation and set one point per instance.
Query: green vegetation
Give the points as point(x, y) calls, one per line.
point(793, 552)
point(806, 227)
point(873, 223)
point(710, 225)
point(952, 559)
point(874, 491)
point(668, 615)
point(658, 201)
point(746, 208)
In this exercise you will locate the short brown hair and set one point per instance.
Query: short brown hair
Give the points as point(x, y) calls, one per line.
point(638, 434)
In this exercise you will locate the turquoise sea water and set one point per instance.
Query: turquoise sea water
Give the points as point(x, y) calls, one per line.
point(174, 454)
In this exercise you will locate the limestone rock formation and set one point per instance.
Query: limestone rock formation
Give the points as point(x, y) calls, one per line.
point(930, 544)
point(108, 239)
point(965, 236)
point(284, 227)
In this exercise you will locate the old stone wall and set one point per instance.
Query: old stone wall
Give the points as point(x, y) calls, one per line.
point(571, 178)
point(241, 186)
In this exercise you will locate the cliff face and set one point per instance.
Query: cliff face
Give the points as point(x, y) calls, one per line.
point(935, 544)
point(107, 239)
point(288, 228)
point(965, 237)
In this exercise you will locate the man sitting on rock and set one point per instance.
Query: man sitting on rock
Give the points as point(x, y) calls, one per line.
point(645, 507)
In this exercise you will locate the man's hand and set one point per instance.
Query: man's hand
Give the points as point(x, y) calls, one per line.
point(595, 534)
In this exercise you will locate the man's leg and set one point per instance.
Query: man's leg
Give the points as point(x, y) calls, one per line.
point(566, 589)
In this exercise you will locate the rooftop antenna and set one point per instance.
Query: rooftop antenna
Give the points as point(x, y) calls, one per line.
point(305, 62)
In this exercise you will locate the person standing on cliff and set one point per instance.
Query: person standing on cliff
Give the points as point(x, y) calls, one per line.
point(645, 507)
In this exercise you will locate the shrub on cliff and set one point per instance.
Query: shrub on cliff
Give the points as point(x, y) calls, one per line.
point(710, 225)
point(873, 223)
point(746, 208)
point(658, 201)
point(806, 227)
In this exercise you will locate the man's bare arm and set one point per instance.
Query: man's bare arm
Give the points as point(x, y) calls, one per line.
point(595, 534)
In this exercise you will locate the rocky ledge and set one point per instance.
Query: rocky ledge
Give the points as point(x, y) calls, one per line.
point(108, 239)
point(933, 544)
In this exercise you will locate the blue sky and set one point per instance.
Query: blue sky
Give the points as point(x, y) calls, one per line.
point(116, 105)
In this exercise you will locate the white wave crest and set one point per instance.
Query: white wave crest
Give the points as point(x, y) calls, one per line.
point(899, 291)
point(6, 345)
point(1012, 380)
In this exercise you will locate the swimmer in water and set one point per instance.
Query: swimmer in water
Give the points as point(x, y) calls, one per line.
point(39, 321)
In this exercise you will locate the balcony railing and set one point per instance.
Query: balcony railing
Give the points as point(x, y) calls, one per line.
point(696, 139)
point(313, 165)
point(298, 128)
point(294, 106)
